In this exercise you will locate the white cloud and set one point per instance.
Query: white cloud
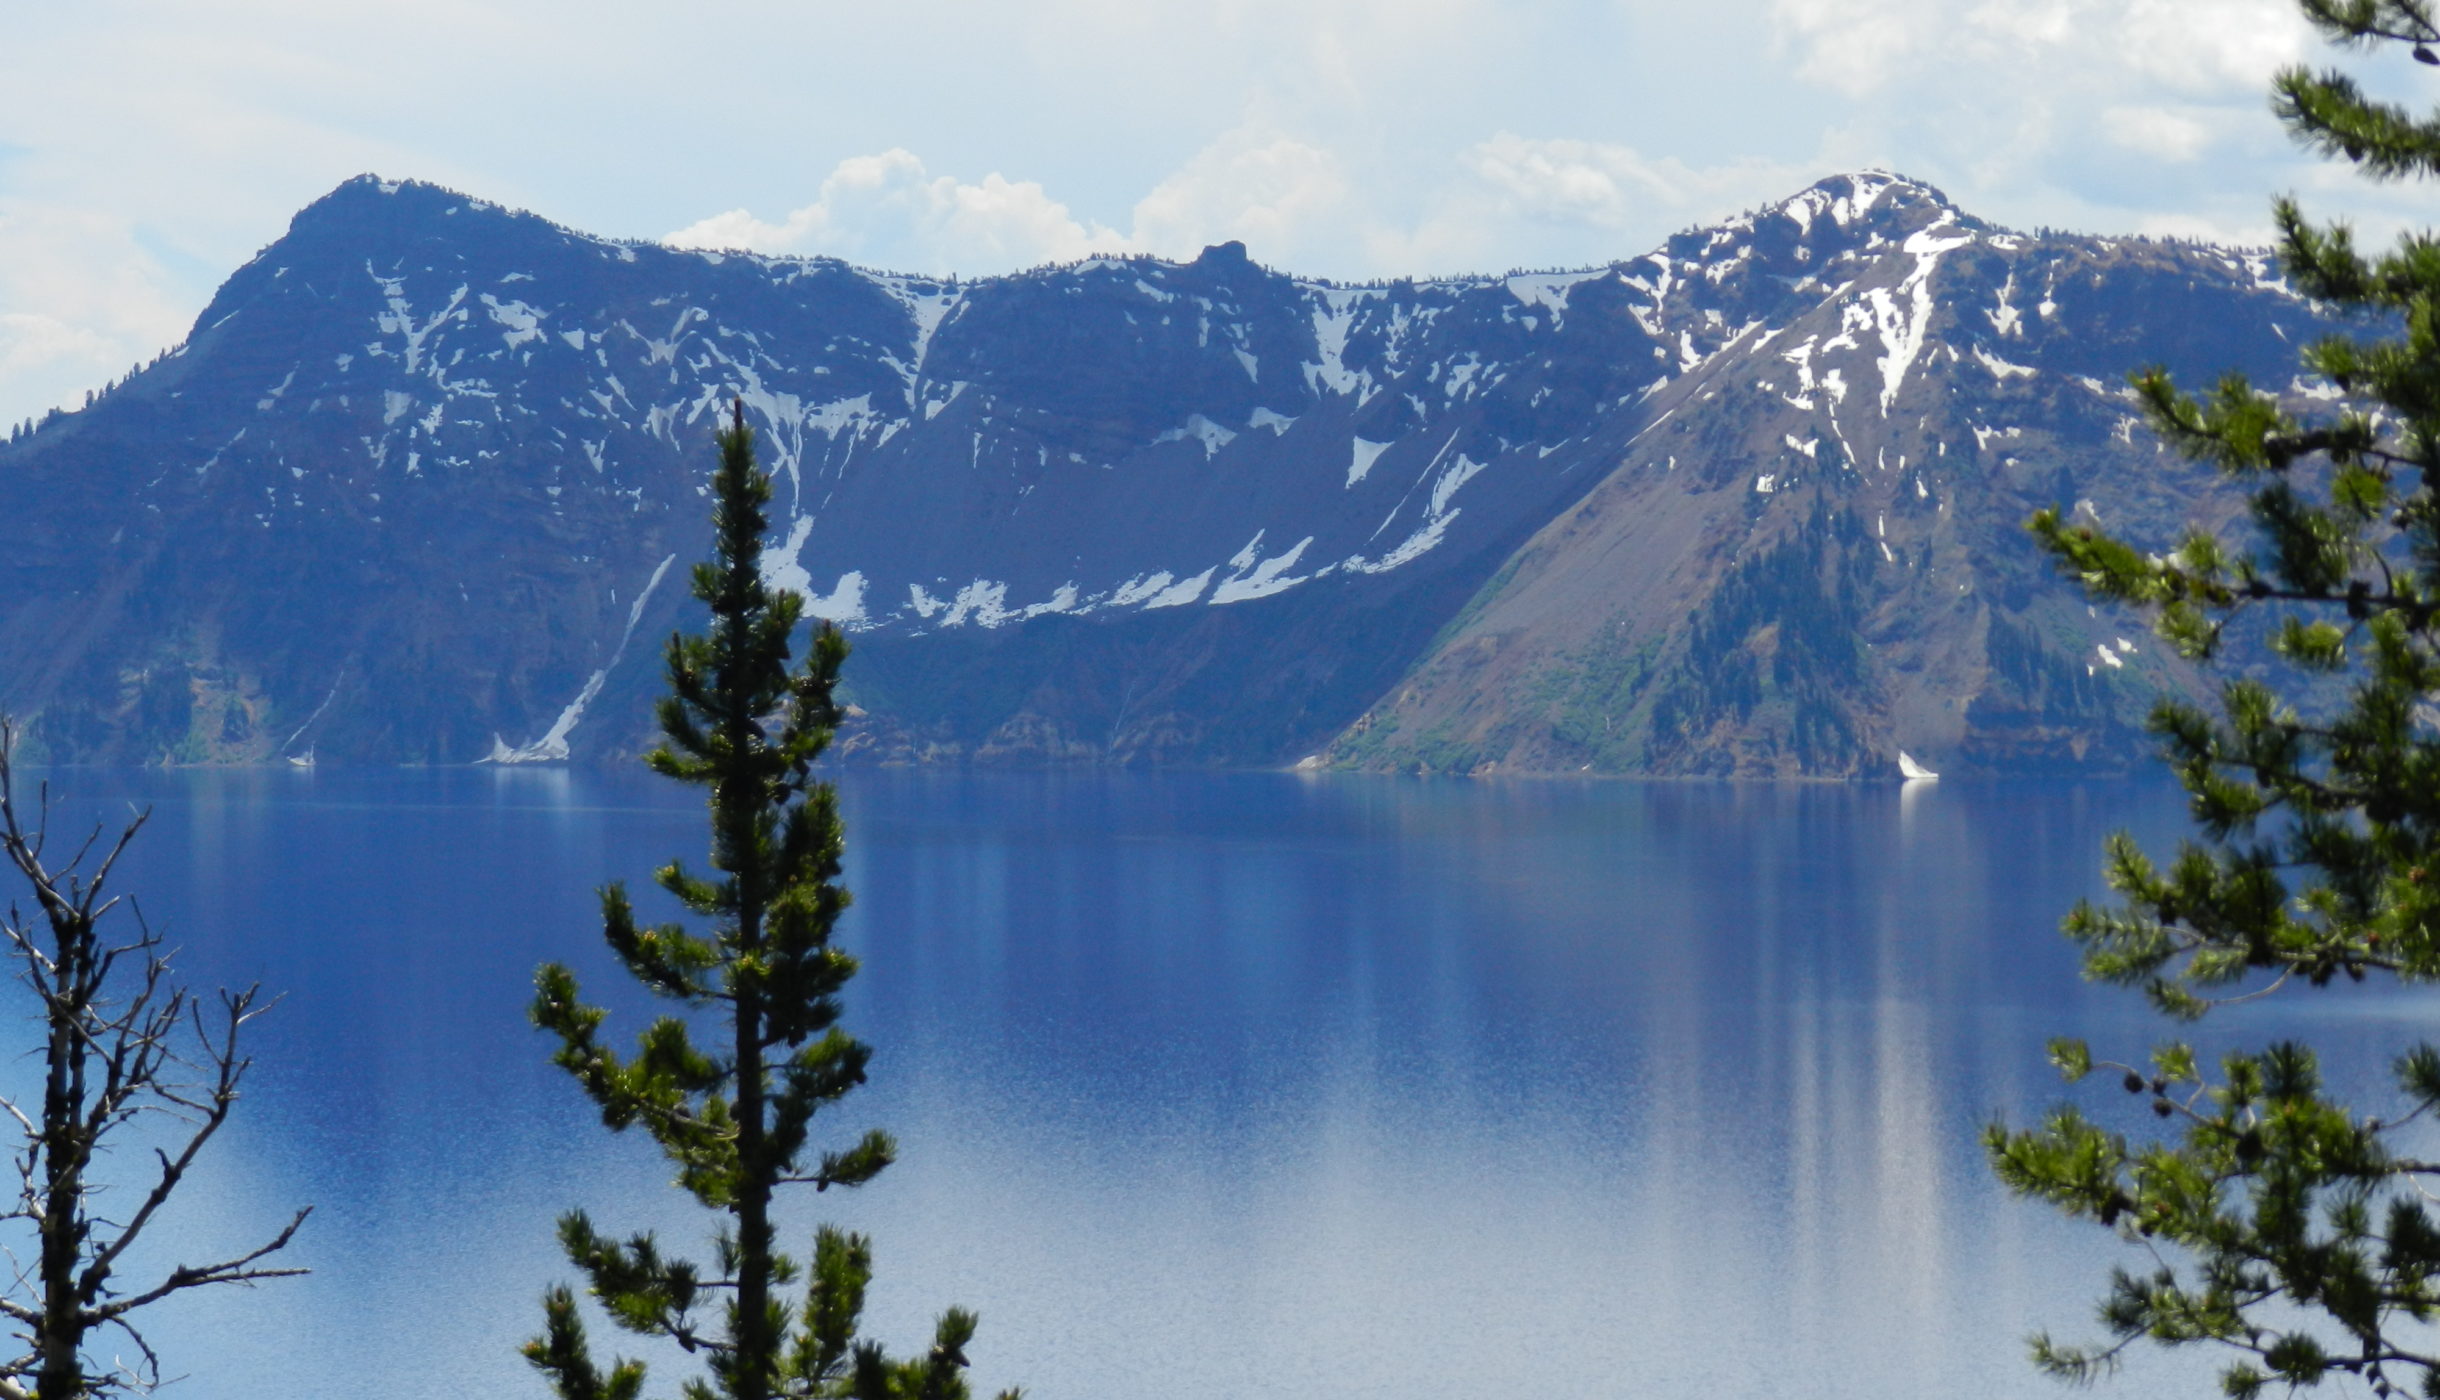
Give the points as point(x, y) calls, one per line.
point(47, 362)
point(2215, 47)
point(1565, 181)
point(81, 299)
point(2166, 132)
point(1270, 190)
point(2104, 115)
point(1853, 47)
point(2026, 21)
point(2006, 49)
point(1515, 201)
point(1267, 189)
point(1505, 201)
point(888, 209)
point(1608, 186)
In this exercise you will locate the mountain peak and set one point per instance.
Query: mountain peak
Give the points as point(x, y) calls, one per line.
point(1865, 196)
point(370, 189)
point(369, 201)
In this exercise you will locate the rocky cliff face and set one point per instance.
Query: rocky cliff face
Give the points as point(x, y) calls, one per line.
point(424, 483)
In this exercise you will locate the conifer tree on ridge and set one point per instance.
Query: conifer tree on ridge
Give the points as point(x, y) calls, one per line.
point(734, 1114)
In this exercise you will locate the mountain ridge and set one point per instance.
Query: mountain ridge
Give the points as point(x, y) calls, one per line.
point(413, 488)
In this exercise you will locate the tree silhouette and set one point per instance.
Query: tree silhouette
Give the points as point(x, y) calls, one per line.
point(734, 1112)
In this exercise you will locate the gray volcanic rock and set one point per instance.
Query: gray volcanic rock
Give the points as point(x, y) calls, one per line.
point(423, 484)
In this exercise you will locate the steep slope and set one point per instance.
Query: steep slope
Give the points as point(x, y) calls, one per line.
point(416, 487)
point(1813, 554)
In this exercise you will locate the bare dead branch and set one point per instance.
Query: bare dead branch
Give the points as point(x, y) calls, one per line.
point(150, 1376)
point(116, 1028)
point(230, 1271)
point(173, 1169)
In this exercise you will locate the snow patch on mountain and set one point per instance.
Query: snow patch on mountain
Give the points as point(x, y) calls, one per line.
point(1457, 474)
point(1550, 289)
point(2002, 370)
point(1138, 589)
point(1903, 316)
point(1366, 453)
point(1333, 320)
point(1413, 547)
point(983, 601)
point(552, 747)
point(398, 318)
point(1256, 577)
point(1203, 430)
point(2004, 317)
point(1185, 591)
point(843, 604)
point(779, 564)
point(524, 322)
point(928, 304)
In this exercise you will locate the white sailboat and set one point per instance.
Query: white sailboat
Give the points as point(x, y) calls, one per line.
point(301, 760)
point(1912, 771)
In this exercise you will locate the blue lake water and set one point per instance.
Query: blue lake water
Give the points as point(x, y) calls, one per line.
point(1211, 1086)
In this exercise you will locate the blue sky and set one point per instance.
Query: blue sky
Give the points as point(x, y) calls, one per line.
point(147, 149)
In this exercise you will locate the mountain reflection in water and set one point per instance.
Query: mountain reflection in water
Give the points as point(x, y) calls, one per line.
point(1211, 1086)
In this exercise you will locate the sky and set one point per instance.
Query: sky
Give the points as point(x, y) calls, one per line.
point(149, 149)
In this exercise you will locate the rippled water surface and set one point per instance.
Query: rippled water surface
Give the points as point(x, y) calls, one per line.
point(1210, 1087)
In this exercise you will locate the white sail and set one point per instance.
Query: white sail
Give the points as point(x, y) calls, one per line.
point(1913, 771)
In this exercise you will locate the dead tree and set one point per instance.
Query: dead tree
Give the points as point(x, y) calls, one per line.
point(126, 1053)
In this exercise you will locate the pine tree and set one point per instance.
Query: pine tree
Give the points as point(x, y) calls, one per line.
point(123, 1043)
point(734, 1113)
point(2291, 1230)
